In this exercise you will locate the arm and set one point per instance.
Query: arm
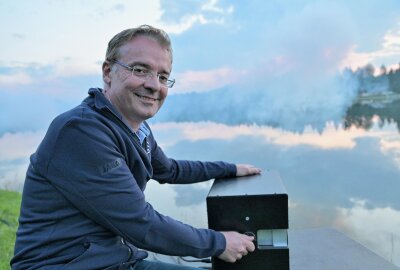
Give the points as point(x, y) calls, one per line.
point(167, 170)
point(87, 166)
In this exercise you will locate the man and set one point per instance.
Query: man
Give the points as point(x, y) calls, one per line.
point(83, 205)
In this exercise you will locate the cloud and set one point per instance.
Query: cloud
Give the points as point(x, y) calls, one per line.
point(20, 78)
point(25, 74)
point(200, 81)
point(376, 227)
point(384, 55)
point(73, 67)
point(186, 23)
point(31, 106)
point(19, 145)
point(179, 18)
point(203, 12)
point(15, 149)
point(390, 145)
point(212, 5)
point(308, 35)
point(12, 176)
point(170, 203)
point(119, 8)
point(81, 34)
point(330, 138)
point(18, 36)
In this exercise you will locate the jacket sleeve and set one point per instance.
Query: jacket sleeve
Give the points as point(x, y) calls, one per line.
point(168, 170)
point(88, 168)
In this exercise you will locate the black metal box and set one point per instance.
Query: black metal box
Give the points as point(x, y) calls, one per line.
point(256, 205)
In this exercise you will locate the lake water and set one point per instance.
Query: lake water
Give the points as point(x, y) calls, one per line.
point(345, 175)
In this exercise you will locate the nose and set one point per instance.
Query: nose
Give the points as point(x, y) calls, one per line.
point(152, 83)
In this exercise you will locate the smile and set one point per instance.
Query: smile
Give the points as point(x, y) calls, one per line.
point(147, 98)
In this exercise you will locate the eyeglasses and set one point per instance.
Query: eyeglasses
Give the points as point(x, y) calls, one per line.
point(146, 74)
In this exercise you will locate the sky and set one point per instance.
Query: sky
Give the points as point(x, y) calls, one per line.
point(285, 54)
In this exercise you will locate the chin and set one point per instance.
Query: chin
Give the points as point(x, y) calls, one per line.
point(149, 115)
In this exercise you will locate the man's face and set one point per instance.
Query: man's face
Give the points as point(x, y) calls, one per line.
point(135, 98)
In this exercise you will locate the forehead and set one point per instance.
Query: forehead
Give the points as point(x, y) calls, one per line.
point(146, 50)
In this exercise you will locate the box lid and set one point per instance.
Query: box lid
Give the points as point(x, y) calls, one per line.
point(268, 182)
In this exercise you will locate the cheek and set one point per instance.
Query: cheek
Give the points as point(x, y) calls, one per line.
point(164, 93)
point(123, 76)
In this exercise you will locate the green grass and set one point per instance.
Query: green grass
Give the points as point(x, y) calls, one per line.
point(9, 211)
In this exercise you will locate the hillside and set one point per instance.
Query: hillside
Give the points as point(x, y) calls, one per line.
point(9, 211)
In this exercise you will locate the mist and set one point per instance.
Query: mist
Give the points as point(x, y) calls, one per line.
point(289, 71)
point(291, 101)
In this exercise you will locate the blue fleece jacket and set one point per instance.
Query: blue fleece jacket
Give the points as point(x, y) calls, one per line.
point(83, 205)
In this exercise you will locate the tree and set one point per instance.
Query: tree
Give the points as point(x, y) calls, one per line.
point(383, 70)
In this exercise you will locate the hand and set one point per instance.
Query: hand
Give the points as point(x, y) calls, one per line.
point(245, 169)
point(237, 246)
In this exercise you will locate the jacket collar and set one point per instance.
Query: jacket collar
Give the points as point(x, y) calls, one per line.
point(100, 101)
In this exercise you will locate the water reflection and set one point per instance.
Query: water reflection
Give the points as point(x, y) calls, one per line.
point(375, 227)
point(362, 115)
point(347, 178)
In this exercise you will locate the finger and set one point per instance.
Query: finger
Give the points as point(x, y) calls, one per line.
point(230, 260)
point(248, 237)
point(243, 250)
point(246, 169)
point(254, 170)
point(248, 241)
point(250, 246)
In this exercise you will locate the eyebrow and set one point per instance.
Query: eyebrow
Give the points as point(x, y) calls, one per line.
point(138, 63)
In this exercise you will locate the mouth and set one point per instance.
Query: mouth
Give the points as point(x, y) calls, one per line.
point(146, 98)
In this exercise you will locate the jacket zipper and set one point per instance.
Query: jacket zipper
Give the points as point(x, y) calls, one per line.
point(129, 248)
point(123, 126)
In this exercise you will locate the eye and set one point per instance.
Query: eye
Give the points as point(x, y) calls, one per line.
point(163, 79)
point(140, 71)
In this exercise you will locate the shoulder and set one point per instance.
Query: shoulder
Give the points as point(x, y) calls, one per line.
point(78, 126)
point(81, 118)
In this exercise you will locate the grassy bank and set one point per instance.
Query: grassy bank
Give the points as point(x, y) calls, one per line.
point(9, 211)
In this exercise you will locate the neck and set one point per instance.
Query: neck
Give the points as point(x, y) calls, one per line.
point(135, 126)
point(132, 123)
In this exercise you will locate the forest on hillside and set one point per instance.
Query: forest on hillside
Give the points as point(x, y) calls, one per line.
point(372, 81)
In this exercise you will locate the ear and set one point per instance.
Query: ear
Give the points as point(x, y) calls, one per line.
point(106, 72)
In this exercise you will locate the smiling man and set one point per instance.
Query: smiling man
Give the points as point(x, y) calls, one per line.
point(151, 63)
point(83, 203)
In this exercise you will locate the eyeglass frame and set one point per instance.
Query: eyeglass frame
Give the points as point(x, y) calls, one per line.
point(148, 74)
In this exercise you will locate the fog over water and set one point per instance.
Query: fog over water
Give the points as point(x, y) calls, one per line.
point(289, 101)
